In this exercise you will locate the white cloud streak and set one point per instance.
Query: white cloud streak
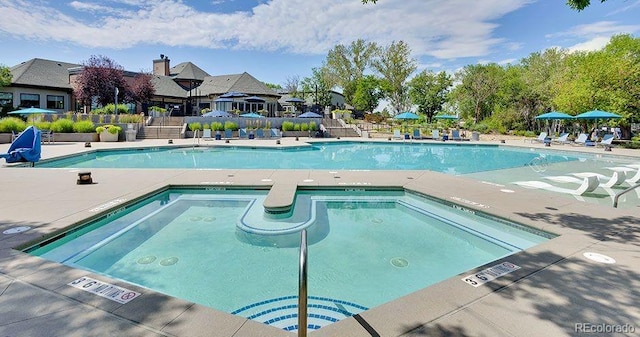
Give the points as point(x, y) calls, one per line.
point(444, 29)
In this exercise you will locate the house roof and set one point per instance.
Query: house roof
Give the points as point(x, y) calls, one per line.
point(43, 73)
point(188, 71)
point(166, 86)
point(244, 83)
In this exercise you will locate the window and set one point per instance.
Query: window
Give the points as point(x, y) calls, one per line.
point(6, 98)
point(29, 100)
point(55, 102)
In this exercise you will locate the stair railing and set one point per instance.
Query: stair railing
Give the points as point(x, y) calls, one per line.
point(617, 196)
point(302, 286)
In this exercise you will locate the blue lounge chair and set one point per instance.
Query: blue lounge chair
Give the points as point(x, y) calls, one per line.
point(416, 134)
point(275, 133)
point(228, 134)
point(242, 133)
point(455, 135)
point(259, 133)
point(25, 148)
point(606, 142)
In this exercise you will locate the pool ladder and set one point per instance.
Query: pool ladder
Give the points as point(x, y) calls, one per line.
point(302, 286)
point(615, 199)
point(196, 137)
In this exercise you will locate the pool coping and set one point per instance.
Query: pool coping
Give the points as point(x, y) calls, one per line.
point(448, 306)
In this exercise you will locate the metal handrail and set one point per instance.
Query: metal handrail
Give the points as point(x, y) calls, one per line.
point(617, 196)
point(302, 286)
point(196, 135)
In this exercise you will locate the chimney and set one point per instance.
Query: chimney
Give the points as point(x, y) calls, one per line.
point(161, 66)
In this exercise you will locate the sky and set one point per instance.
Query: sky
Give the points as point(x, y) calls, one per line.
point(276, 40)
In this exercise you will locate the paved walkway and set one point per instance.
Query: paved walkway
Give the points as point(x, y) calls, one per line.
point(557, 291)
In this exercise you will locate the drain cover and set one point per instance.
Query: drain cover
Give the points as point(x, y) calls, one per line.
point(169, 261)
point(377, 220)
point(146, 259)
point(16, 230)
point(399, 262)
point(599, 258)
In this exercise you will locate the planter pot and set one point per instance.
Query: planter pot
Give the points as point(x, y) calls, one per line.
point(106, 136)
point(76, 137)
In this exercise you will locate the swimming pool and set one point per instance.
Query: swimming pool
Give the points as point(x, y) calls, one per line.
point(440, 157)
point(367, 247)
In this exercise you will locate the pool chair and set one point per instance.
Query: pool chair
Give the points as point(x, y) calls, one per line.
point(242, 133)
point(435, 134)
point(228, 134)
point(275, 133)
point(563, 139)
point(589, 184)
point(25, 148)
point(396, 134)
point(632, 173)
point(617, 178)
point(583, 139)
point(416, 134)
point(259, 133)
point(606, 141)
point(455, 135)
point(206, 134)
point(540, 139)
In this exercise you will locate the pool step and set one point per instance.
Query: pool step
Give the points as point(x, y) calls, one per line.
point(280, 198)
point(282, 312)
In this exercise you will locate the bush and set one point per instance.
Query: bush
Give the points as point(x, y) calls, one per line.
point(112, 129)
point(14, 124)
point(313, 126)
point(130, 118)
point(84, 127)
point(217, 126)
point(296, 127)
point(64, 125)
point(287, 126)
point(195, 126)
point(304, 127)
point(229, 125)
point(43, 125)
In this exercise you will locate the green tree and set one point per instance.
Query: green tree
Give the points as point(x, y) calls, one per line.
point(580, 4)
point(478, 85)
point(395, 65)
point(346, 64)
point(368, 93)
point(273, 86)
point(319, 85)
point(5, 76)
point(429, 90)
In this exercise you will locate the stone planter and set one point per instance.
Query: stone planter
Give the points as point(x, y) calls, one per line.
point(106, 136)
point(76, 137)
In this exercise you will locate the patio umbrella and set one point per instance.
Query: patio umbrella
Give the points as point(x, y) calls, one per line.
point(406, 115)
point(449, 117)
point(310, 114)
point(597, 114)
point(252, 115)
point(31, 111)
point(554, 115)
point(254, 99)
point(224, 99)
point(295, 100)
point(217, 113)
point(232, 94)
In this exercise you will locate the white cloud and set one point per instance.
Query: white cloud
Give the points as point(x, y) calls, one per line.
point(443, 29)
point(507, 61)
point(596, 43)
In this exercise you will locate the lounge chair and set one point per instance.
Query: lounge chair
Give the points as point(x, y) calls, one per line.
point(562, 139)
point(416, 134)
point(632, 173)
point(435, 134)
point(206, 134)
point(242, 133)
point(589, 184)
point(228, 134)
point(583, 139)
point(455, 135)
point(396, 134)
point(259, 133)
point(46, 136)
point(25, 148)
point(275, 133)
point(617, 178)
point(14, 135)
point(606, 141)
point(540, 139)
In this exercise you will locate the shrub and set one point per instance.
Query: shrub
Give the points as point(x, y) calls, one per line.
point(112, 129)
point(14, 124)
point(287, 126)
point(230, 125)
point(64, 125)
point(313, 126)
point(217, 126)
point(84, 127)
point(43, 125)
point(130, 118)
point(304, 127)
point(195, 126)
point(296, 127)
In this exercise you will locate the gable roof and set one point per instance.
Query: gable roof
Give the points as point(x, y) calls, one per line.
point(43, 73)
point(244, 83)
point(187, 71)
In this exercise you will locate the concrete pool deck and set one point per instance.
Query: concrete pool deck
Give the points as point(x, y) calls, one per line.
point(556, 292)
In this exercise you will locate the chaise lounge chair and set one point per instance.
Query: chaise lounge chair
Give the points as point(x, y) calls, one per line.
point(435, 134)
point(606, 141)
point(275, 133)
point(540, 139)
point(629, 170)
point(416, 134)
point(583, 139)
point(589, 184)
point(562, 139)
point(396, 134)
point(25, 148)
point(455, 135)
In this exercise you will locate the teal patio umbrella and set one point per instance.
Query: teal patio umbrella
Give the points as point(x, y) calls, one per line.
point(449, 117)
point(554, 115)
point(597, 114)
point(406, 116)
point(31, 111)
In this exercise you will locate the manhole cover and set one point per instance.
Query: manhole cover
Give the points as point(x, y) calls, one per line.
point(16, 230)
point(399, 262)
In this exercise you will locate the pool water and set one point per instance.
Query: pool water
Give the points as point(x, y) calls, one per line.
point(440, 157)
point(366, 248)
